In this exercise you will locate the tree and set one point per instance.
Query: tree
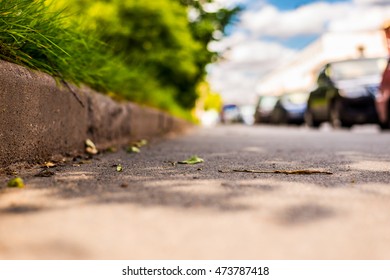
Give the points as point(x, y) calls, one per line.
point(159, 38)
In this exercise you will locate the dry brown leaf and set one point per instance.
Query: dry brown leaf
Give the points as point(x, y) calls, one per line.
point(90, 147)
point(288, 172)
point(49, 164)
point(45, 173)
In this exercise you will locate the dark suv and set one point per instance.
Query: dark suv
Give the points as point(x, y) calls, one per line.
point(264, 109)
point(345, 93)
point(383, 99)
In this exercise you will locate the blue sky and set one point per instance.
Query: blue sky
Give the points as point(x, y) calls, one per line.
point(271, 32)
point(297, 42)
point(293, 4)
point(294, 42)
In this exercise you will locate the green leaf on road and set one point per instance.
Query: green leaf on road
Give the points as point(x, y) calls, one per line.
point(192, 160)
point(119, 168)
point(140, 143)
point(111, 150)
point(133, 149)
point(16, 183)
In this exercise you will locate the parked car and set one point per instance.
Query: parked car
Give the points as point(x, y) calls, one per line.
point(345, 93)
point(383, 99)
point(290, 108)
point(264, 109)
point(231, 113)
point(247, 112)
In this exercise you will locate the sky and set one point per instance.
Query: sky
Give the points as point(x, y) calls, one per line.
point(271, 32)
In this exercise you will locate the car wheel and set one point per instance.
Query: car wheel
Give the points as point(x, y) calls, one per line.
point(386, 125)
point(309, 119)
point(278, 117)
point(335, 116)
point(283, 118)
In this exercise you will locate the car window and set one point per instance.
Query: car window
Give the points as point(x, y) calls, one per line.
point(295, 98)
point(324, 76)
point(268, 102)
point(352, 69)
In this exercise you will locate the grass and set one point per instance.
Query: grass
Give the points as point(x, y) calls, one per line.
point(34, 35)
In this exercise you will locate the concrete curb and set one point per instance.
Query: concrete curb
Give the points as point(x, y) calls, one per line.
point(39, 118)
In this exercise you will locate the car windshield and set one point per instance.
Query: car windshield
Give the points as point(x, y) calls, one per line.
point(268, 102)
point(352, 69)
point(296, 98)
point(230, 107)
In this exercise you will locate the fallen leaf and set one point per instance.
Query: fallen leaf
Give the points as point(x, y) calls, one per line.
point(45, 173)
point(111, 150)
point(49, 164)
point(119, 168)
point(173, 163)
point(192, 160)
point(140, 143)
point(16, 182)
point(90, 147)
point(288, 172)
point(133, 149)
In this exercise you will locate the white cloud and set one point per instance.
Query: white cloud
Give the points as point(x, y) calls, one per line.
point(236, 76)
point(316, 18)
point(257, 51)
point(306, 20)
point(371, 2)
point(217, 4)
point(228, 42)
point(229, 3)
point(361, 18)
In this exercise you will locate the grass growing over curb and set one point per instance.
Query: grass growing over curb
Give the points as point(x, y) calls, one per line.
point(34, 35)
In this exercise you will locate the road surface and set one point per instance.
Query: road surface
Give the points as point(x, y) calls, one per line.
point(155, 209)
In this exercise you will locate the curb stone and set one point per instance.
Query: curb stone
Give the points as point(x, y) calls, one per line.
point(40, 118)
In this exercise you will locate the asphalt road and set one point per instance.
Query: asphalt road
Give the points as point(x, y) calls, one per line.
point(155, 209)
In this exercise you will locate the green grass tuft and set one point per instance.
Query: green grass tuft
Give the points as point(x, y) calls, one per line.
point(33, 34)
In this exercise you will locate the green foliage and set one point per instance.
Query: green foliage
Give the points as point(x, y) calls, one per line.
point(192, 160)
point(145, 51)
point(213, 101)
point(153, 34)
point(208, 100)
point(30, 35)
point(158, 36)
point(16, 183)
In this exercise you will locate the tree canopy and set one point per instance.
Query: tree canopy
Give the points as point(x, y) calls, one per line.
point(151, 52)
point(160, 38)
